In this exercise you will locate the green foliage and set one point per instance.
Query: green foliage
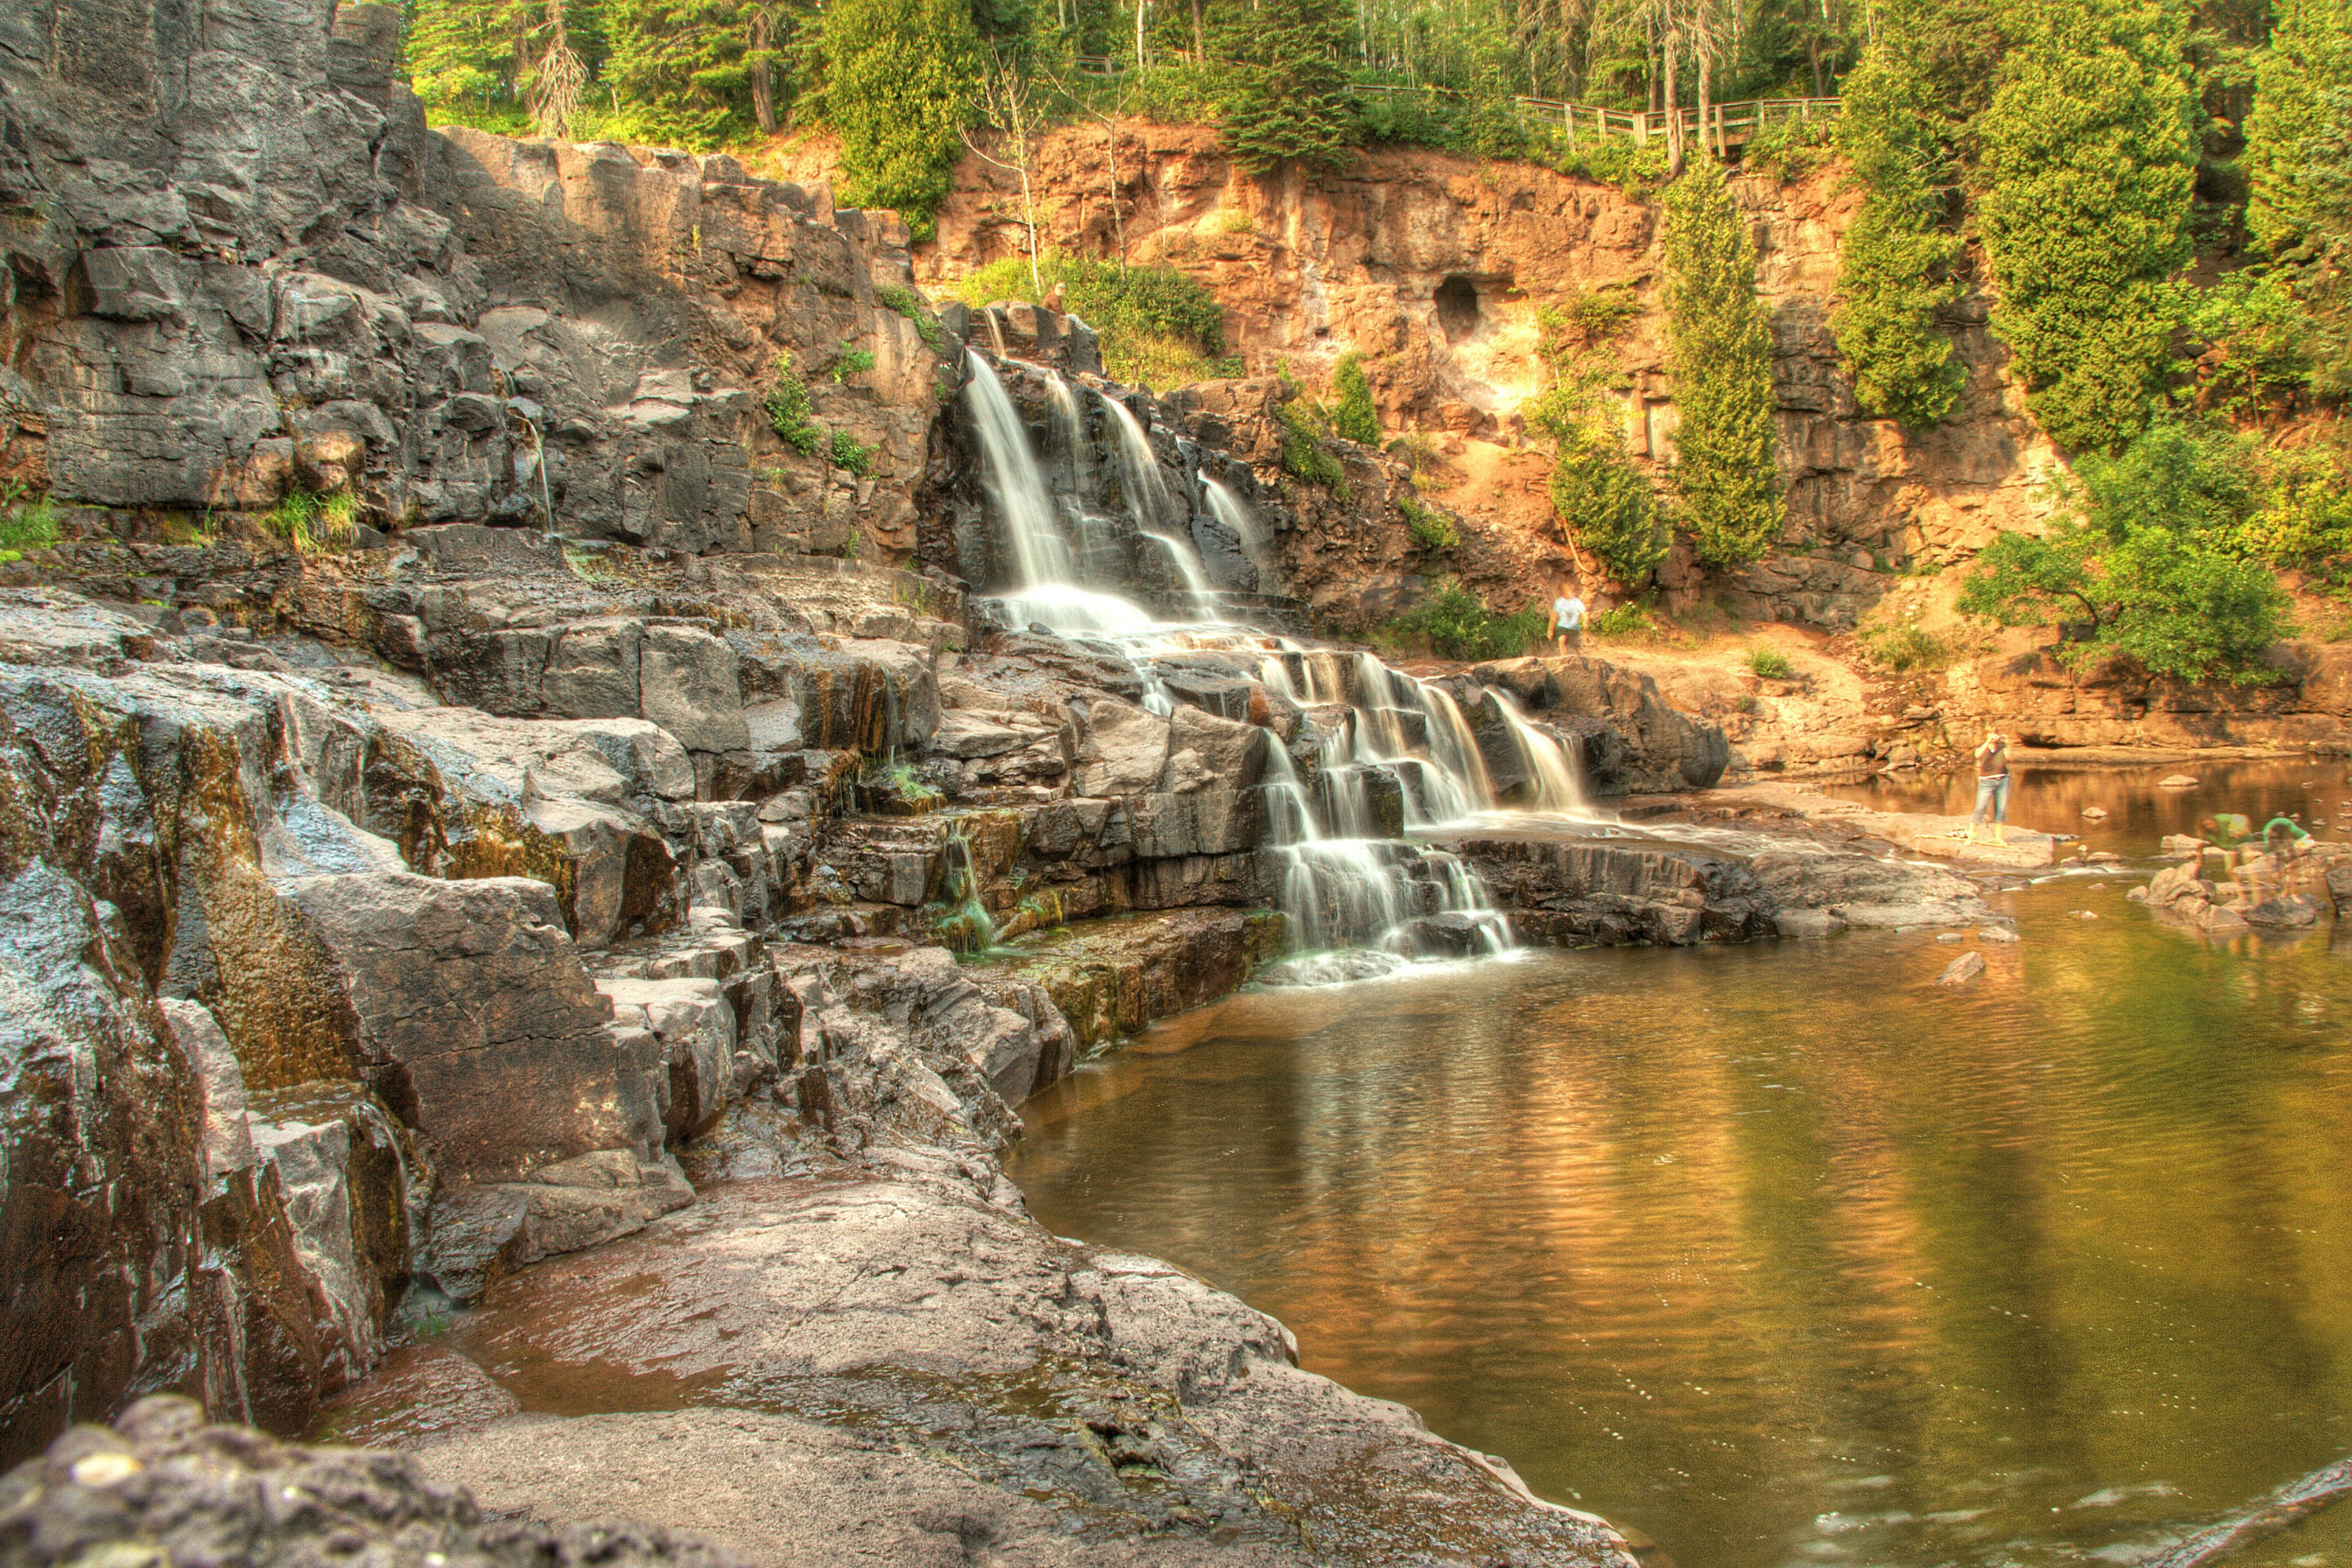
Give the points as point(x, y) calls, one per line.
point(1635, 618)
point(1790, 149)
point(1288, 99)
point(1458, 625)
point(1601, 497)
point(907, 302)
point(1768, 664)
point(1430, 527)
point(27, 521)
point(2150, 561)
point(2298, 162)
point(683, 69)
point(314, 523)
point(850, 362)
point(1355, 418)
point(849, 452)
point(1157, 326)
point(2257, 343)
point(898, 91)
point(1898, 266)
point(1904, 649)
point(789, 413)
point(2089, 157)
point(1304, 455)
point(1606, 501)
point(1719, 352)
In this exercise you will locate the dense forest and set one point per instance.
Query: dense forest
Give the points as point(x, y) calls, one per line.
point(2157, 195)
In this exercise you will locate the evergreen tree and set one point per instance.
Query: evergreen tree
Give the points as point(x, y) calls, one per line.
point(1903, 110)
point(1719, 352)
point(679, 69)
point(898, 75)
point(2089, 157)
point(514, 65)
point(1289, 98)
point(2299, 165)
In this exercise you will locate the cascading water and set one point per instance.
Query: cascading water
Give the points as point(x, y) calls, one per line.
point(1556, 784)
point(1399, 753)
point(1235, 515)
point(1154, 511)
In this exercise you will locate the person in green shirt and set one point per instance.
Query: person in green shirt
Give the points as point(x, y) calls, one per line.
point(2284, 841)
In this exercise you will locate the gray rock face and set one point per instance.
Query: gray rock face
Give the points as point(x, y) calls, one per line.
point(1638, 743)
point(254, 270)
point(101, 1495)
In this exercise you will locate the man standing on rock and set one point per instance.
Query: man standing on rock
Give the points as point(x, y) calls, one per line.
point(1567, 620)
point(1992, 785)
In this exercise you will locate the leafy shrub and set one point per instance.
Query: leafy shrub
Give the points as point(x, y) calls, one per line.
point(1790, 150)
point(788, 409)
point(2257, 339)
point(907, 302)
point(1768, 664)
point(1304, 455)
point(1458, 625)
point(1233, 220)
point(1157, 325)
point(897, 89)
point(1633, 619)
point(27, 521)
point(1355, 418)
point(1904, 648)
point(849, 452)
point(1430, 529)
point(1606, 501)
point(850, 362)
point(2149, 561)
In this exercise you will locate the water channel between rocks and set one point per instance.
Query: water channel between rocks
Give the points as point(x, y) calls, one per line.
point(1781, 1253)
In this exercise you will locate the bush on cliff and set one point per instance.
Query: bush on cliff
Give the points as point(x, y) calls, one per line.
point(1457, 624)
point(1355, 419)
point(1903, 110)
point(2089, 161)
point(2298, 162)
point(1601, 498)
point(1719, 352)
point(1156, 324)
point(1288, 98)
point(897, 76)
point(2150, 559)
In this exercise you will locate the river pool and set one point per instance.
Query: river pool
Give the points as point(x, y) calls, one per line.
point(1782, 1254)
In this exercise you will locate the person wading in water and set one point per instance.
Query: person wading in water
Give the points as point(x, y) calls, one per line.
point(1992, 785)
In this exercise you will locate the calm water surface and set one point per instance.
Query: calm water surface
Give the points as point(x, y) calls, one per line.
point(1782, 1254)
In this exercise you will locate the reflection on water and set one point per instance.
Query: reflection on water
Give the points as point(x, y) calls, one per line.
point(1779, 1253)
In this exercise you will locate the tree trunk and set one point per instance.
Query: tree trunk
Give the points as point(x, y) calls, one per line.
point(1706, 68)
point(764, 81)
point(1673, 47)
point(1200, 37)
point(1813, 53)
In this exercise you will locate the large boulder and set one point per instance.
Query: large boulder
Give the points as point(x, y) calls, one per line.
point(688, 685)
point(1122, 749)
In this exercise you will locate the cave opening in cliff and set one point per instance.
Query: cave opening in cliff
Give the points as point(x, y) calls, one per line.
point(1458, 306)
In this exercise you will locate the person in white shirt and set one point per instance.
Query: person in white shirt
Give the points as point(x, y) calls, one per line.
point(1567, 620)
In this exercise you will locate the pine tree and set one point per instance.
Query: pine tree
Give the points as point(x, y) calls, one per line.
point(505, 65)
point(897, 76)
point(2299, 167)
point(1719, 352)
point(2089, 158)
point(679, 70)
point(1903, 110)
point(1289, 97)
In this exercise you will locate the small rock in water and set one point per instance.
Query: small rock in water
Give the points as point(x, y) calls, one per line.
point(2086, 914)
point(1962, 970)
point(1948, 936)
point(1995, 933)
point(2179, 781)
point(2095, 812)
point(2183, 844)
point(2103, 857)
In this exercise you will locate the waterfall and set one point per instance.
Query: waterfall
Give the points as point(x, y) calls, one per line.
point(1556, 788)
point(1234, 513)
point(1073, 419)
point(1045, 588)
point(1153, 509)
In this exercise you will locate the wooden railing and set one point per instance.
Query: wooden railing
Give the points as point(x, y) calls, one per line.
point(1728, 124)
